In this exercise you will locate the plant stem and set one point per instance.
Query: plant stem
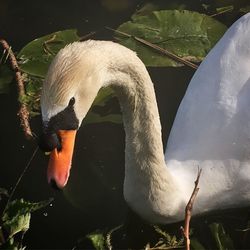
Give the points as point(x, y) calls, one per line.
point(158, 48)
point(188, 211)
point(20, 177)
point(23, 112)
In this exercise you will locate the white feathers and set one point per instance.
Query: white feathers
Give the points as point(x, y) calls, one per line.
point(211, 129)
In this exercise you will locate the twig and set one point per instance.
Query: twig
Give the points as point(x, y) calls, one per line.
point(222, 12)
point(46, 43)
point(188, 211)
point(23, 111)
point(85, 37)
point(20, 178)
point(158, 48)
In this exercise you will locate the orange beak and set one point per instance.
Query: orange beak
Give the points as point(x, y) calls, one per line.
point(60, 161)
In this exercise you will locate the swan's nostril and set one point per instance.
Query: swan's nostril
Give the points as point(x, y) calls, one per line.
point(53, 184)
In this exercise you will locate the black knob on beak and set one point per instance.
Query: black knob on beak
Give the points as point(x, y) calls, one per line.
point(49, 141)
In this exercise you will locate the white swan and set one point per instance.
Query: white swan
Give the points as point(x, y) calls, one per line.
point(211, 129)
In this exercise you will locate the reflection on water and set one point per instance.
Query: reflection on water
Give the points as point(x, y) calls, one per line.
point(93, 197)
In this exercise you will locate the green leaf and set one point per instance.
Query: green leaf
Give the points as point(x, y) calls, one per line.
point(16, 217)
point(36, 56)
point(34, 61)
point(223, 240)
point(189, 35)
point(97, 239)
point(101, 100)
point(95, 118)
point(103, 96)
point(6, 77)
point(19, 223)
point(33, 88)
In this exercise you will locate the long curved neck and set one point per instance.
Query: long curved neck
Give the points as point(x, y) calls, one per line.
point(148, 185)
point(88, 66)
point(141, 122)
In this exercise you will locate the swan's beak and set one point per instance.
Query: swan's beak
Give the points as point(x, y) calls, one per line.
point(60, 160)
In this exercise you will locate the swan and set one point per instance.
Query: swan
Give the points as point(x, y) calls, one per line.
point(211, 129)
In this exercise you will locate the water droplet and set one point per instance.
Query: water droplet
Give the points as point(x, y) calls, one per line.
point(51, 205)
point(45, 214)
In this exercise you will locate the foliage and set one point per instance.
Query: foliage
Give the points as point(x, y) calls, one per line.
point(166, 241)
point(34, 60)
point(97, 239)
point(15, 221)
point(187, 34)
point(36, 56)
point(223, 241)
point(102, 109)
point(174, 26)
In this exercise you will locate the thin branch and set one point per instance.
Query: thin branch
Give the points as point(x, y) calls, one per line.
point(158, 48)
point(87, 36)
point(188, 211)
point(20, 178)
point(222, 12)
point(23, 111)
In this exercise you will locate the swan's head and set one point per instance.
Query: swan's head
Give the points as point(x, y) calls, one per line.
point(67, 94)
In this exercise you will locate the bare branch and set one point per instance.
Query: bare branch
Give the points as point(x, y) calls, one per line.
point(158, 48)
point(23, 111)
point(87, 36)
point(188, 211)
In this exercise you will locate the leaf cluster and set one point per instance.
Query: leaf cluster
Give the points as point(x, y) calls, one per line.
point(15, 221)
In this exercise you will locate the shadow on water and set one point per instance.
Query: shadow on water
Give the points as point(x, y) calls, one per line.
point(93, 197)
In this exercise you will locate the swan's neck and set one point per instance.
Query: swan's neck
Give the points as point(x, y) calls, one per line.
point(148, 187)
point(80, 70)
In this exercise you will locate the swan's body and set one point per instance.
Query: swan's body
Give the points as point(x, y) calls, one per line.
point(211, 130)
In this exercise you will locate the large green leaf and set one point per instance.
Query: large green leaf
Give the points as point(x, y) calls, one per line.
point(36, 56)
point(189, 35)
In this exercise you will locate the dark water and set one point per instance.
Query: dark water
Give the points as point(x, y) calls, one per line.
point(93, 198)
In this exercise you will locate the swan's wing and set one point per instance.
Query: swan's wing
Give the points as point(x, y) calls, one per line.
point(213, 120)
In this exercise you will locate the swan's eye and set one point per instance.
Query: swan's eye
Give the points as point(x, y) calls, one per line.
point(48, 142)
point(72, 101)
